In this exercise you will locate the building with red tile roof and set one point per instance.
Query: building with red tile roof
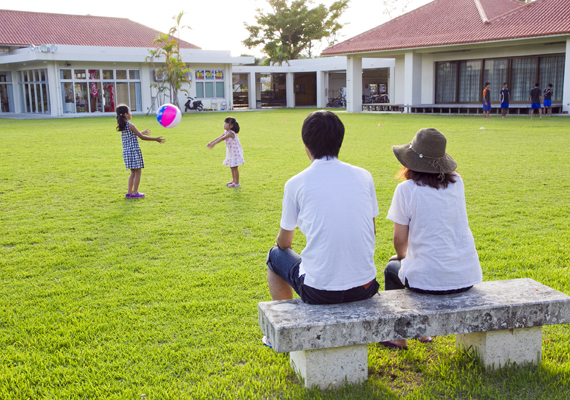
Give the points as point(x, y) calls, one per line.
point(70, 65)
point(446, 49)
point(21, 28)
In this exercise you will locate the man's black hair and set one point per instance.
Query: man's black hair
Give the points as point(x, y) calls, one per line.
point(323, 133)
point(536, 85)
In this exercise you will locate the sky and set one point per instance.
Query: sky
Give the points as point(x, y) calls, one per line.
point(216, 25)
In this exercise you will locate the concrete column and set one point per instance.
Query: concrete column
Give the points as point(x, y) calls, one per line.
point(229, 87)
point(566, 95)
point(497, 348)
point(251, 90)
point(291, 90)
point(399, 82)
point(331, 367)
point(55, 97)
point(353, 84)
point(146, 91)
point(412, 79)
point(392, 85)
point(321, 98)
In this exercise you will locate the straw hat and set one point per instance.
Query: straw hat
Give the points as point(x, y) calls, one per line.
point(426, 153)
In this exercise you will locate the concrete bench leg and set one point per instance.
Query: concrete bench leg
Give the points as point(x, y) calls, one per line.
point(523, 345)
point(332, 367)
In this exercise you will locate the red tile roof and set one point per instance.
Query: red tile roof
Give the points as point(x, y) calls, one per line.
point(447, 22)
point(21, 28)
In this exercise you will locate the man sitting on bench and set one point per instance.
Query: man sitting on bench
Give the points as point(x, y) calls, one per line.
point(334, 205)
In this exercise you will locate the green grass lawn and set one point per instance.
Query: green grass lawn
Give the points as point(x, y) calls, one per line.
point(107, 298)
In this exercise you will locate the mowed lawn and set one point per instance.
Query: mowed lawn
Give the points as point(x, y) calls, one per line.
point(107, 298)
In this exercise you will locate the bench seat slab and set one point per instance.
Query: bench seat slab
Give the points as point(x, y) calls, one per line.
point(497, 348)
point(331, 368)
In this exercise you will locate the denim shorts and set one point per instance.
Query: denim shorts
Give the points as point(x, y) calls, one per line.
point(285, 263)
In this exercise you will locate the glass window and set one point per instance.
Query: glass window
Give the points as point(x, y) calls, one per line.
point(134, 74)
point(81, 97)
point(220, 89)
point(65, 73)
point(94, 74)
point(523, 76)
point(469, 81)
point(95, 98)
point(79, 74)
point(446, 82)
point(495, 73)
point(135, 103)
point(200, 89)
point(551, 71)
point(122, 93)
point(209, 89)
point(108, 96)
point(108, 74)
point(121, 74)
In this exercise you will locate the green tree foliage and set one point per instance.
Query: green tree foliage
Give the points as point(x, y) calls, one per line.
point(292, 27)
point(170, 71)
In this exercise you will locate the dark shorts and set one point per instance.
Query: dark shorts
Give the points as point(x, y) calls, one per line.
point(504, 105)
point(392, 281)
point(285, 263)
point(547, 103)
point(535, 106)
point(487, 107)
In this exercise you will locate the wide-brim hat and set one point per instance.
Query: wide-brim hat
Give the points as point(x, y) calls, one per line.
point(426, 153)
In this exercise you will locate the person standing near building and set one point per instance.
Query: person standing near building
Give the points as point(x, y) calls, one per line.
point(487, 100)
point(534, 97)
point(548, 100)
point(505, 98)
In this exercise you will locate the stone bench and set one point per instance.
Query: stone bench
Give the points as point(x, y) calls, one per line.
point(501, 321)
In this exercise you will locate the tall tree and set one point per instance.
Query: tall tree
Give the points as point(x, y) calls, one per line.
point(292, 27)
point(171, 72)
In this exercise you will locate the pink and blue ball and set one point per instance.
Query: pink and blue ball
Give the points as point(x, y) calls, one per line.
point(168, 115)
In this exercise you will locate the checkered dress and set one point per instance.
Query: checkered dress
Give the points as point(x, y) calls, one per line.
point(131, 150)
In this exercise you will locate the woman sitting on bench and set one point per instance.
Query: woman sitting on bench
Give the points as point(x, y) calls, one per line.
point(435, 250)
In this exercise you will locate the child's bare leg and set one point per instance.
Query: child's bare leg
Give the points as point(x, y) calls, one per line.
point(136, 180)
point(131, 180)
point(235, 175)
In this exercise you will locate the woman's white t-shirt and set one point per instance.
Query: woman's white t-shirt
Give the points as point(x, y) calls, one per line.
point(441, 251)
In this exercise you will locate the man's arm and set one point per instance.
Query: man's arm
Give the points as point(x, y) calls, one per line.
point(285, 239)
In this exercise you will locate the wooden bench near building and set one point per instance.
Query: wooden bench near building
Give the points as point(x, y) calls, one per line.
point(501, 321)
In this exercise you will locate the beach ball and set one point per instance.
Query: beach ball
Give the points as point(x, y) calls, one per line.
point(168, 115)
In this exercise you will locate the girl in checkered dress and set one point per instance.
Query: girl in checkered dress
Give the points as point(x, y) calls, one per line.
point(234, 151)
point(131, 150)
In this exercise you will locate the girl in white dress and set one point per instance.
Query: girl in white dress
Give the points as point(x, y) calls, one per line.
point(234, 151)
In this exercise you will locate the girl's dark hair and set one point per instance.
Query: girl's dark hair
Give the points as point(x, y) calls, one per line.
point(323, 133)
point(121, 120)
point(427, 179)
point(233, 122)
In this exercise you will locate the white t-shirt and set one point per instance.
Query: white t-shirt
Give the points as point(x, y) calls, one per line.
point(441, 251)
point(333, 204)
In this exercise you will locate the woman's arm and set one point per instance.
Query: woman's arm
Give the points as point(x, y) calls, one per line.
point(226, 135)
point(400, 241)
point(145, 135)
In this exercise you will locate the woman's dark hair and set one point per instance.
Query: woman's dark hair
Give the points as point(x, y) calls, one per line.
point(323, 133)
point(427, 179)
point(121, 120)
point(233, 122)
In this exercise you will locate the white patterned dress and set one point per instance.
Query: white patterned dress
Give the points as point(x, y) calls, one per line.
point(234, 152)
point(132, 154)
